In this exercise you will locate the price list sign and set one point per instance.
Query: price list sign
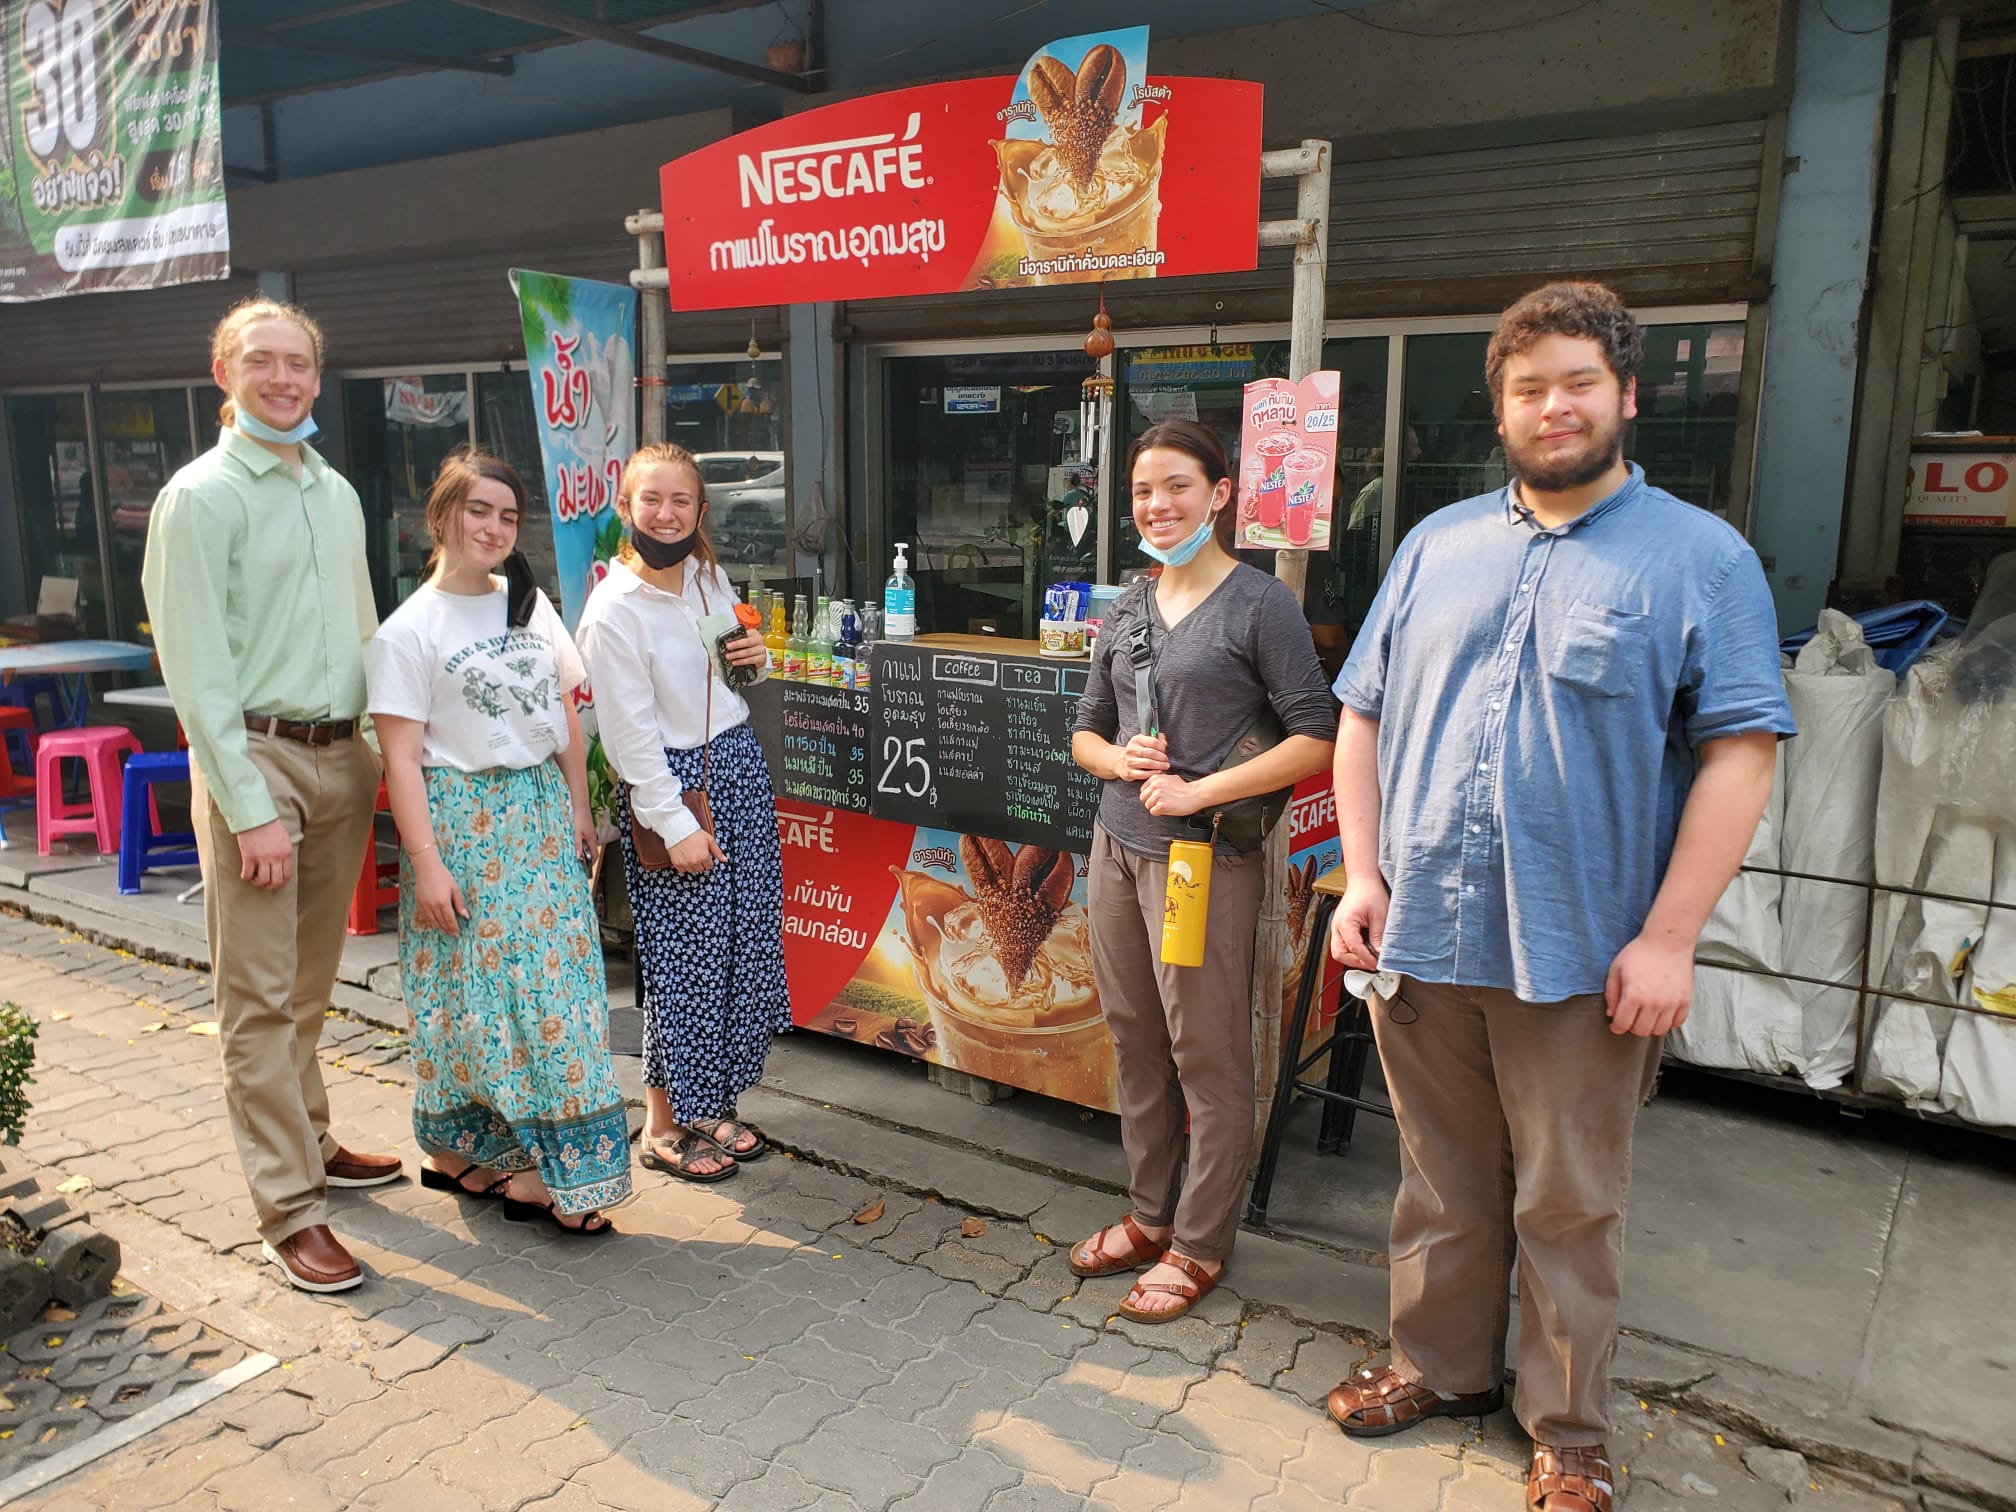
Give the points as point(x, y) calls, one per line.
point(818, 741)
point(982, 745)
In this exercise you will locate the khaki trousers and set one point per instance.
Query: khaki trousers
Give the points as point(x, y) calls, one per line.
point(273, 957)
point(1183, 1036)
point(1515, 1137)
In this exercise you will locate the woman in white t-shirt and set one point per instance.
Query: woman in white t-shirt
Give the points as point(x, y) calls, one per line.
point(709, 907)
point(500, 954)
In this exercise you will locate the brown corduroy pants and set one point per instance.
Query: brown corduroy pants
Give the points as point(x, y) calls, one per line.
point(1515, 1141)
point(1183, 1037)
point(274, 956)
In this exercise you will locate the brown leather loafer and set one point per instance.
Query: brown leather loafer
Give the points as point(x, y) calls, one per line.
point(349, 1169)
point(315, 1260)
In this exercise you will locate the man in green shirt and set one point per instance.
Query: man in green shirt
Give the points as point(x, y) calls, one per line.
point(260, 601)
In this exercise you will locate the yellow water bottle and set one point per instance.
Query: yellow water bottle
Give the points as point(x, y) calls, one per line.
point(1186, 905)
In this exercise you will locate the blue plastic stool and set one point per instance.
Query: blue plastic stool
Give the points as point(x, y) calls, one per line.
point(29, 689)
point(141, 846)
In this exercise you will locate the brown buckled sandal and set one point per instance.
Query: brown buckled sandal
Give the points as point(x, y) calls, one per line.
point(1374, 1403)
point(1087, 1260)
point(1191, 1295)
point(1570, 1480)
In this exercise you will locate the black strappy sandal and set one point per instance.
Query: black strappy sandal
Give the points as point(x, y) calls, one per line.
point(441, 1181)
point(594, 1224)
point(685, 1150)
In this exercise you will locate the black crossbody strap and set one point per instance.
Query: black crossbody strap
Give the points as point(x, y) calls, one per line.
point(1141, 654)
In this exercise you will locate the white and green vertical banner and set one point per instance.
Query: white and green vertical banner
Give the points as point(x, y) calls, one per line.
point(111, 159)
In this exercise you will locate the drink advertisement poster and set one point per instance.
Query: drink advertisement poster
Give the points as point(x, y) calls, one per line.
point(1288, 463)
point(111, 160)
point(975, 954)
point(580, 353)
point(1081, 168)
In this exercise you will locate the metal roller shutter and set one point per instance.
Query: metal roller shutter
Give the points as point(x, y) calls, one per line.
point(461, 309)
point(115, 338)
point(1667, 216)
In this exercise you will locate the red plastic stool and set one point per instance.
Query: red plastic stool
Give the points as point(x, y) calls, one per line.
point(17, 785)
point(101, 749)
point(377, 883)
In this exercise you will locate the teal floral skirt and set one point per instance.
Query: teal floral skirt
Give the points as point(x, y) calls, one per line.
point(510, 1017)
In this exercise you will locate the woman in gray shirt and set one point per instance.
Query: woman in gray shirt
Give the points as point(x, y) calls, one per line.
point(1226, 641)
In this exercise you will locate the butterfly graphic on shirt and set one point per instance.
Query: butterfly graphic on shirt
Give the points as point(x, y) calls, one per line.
point(538, 696)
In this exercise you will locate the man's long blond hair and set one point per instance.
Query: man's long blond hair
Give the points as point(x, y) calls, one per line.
point(229, 336)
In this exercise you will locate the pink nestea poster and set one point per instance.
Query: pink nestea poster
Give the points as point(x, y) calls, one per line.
point(1288, 463)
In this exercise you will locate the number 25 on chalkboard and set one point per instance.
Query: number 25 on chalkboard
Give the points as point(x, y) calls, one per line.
point(914, 778)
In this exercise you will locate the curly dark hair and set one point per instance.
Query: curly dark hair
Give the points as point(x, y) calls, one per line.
point(1587, 310)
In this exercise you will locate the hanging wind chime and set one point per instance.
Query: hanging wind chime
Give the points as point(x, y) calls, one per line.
point(1095, 401)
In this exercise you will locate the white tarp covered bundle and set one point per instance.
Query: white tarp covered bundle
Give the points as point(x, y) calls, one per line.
point(1919, 843)
point(1832, 770)
point(1741, 1022)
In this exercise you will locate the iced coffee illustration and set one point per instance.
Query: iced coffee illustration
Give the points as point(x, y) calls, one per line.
point(1007, 971)
point(1080, 202)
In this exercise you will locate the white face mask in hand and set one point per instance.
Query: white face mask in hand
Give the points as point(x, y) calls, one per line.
point(1364, 984)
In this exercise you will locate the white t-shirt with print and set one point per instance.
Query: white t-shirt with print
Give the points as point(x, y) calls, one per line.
point(489, 695)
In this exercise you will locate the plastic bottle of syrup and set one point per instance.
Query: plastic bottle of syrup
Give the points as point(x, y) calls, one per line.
point(776, 635)
point(899, 599)
point(795, 643)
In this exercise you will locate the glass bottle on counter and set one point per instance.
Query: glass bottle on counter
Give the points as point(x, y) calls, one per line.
point(871, 631)
point(819, 648)
point(778, 634)
point(795, 643)
point(846, 645)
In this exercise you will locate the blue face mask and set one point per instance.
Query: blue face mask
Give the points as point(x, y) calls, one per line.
point(259, 430)
point(1177, 555)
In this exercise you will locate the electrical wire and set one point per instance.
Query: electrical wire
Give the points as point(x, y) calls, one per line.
point(1352, 14)
point(1870, 31)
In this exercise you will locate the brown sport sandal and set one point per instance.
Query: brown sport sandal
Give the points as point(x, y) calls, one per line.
point(1570, 1480)
point(1088, 1260)
point(1191, 1294)
point(1374, 1403)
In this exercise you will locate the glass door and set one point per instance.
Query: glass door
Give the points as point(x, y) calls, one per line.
point(400, 430)
point(56, 494)
point(984, 481)
point(143, 437)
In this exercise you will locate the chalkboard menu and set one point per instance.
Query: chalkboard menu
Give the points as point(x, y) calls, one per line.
point(979, 743)
point(818, 740)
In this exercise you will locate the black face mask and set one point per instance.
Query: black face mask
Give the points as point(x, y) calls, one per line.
point(658, 555)
point(522, 587)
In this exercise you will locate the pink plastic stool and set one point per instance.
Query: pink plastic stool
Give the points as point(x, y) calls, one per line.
point(101, 749)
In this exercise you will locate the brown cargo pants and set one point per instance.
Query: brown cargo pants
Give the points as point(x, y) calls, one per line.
point(1515, 1140)
point(1182, 1037)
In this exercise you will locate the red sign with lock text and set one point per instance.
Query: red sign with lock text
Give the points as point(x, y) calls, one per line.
point(925, 191)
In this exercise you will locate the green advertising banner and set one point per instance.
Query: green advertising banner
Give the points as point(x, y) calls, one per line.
point(111, 163)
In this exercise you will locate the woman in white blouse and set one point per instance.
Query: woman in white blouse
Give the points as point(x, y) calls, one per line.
point(709, 906)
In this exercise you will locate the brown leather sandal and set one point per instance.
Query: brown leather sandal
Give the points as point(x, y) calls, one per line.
point(1087, 1260)
point(1374, 1403)
point(1570, 1480)
point(1191, 1295)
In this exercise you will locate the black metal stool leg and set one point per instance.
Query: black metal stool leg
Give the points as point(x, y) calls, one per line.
point(1334, 1135)
point(1291, 1055)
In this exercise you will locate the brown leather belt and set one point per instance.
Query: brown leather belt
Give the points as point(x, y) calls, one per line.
point(305, 732)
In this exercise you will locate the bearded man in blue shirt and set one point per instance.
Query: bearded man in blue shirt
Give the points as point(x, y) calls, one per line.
point(1559, 732)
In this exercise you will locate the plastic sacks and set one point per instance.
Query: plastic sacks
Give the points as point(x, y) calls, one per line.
point(1979, 1078)
point(1832, 771)
point(1741, 1022)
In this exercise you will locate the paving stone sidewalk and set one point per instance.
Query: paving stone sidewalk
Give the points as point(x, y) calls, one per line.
point(744, 1347)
